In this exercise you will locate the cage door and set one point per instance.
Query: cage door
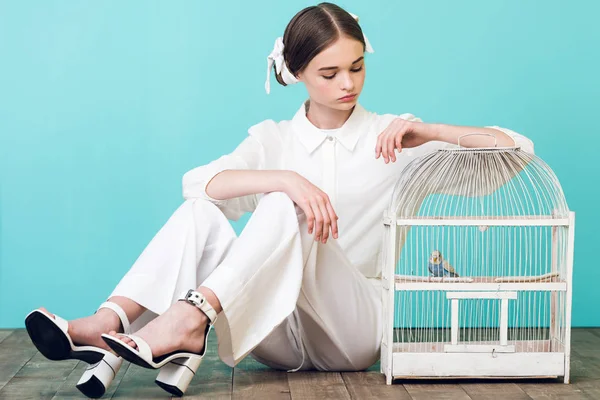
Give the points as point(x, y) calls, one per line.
point(502, 346)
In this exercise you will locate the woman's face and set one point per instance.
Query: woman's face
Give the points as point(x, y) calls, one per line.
point(337, 71)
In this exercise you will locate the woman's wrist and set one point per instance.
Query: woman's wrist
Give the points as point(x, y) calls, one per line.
point(284, 180)
point(433, 131)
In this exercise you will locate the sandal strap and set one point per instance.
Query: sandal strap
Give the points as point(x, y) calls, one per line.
point(63, 324)
point(198, 300)
point(143, 349)
point(119, 311)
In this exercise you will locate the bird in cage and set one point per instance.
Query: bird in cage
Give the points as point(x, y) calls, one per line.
point(438, 267)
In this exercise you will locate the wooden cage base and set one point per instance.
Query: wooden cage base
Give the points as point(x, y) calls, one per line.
point(477, 365)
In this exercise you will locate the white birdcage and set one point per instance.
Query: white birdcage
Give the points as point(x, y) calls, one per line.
point(477, 268)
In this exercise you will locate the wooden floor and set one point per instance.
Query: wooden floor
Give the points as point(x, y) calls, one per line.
point(26, 374)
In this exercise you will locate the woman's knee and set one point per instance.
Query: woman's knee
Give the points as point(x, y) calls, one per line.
point(206, 211)
point(276, 199)
point(280, 201)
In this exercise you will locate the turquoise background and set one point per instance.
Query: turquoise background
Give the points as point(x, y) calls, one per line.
point(104, 106)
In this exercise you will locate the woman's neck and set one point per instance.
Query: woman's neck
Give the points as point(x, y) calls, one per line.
point(326, 117)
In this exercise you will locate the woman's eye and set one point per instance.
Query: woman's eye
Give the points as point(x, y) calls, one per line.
point(333, 76)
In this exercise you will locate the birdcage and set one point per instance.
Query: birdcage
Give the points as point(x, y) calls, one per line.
point(477, 268)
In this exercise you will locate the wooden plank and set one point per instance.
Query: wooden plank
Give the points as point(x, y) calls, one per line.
point(493, 391)
point(214, 378)
point(40, 378)
point(593, 331)
point(253, 380)
point(590, 388)
point(479, 348)
point(390, 259)
point(585, 339)
point(478, 364)
point(372, 385)
point(504, 321)
point(569, 295)
point(483, 222)
point(4, 333)
point(482, 295)
point(585, 355)
point(531, 346)
point(554, 297)
point(476, 286)
point(428, 391)
point(18, 339)
point(553, 390)
point(454, 323)
point(317, 385)
point(138, 383)
point(16, 350)
point(68, 390)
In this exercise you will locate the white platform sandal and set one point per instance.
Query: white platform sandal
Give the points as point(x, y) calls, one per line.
point(50, 336)
point(176, 368)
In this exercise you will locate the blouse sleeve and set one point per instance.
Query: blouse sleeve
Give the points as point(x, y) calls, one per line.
point(250, 154)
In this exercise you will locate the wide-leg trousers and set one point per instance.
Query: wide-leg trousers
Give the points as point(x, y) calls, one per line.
point(288, 301)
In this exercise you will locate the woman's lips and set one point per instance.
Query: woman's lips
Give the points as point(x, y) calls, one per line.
point(348, 98)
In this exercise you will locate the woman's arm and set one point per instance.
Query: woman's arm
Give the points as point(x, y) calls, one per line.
point(407, 131)
point(232, 183)
point(451, 133)
point(315, 203)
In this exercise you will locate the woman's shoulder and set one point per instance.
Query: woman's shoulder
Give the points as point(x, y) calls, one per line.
point(387, 118)
point(270, 129)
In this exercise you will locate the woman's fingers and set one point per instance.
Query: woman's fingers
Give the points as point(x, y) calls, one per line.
point(310, 217)
point(318, 219)
point(379, 145)
point(384, 149)
point(326, 218)
point(334, 218)
point(398, 142)
point(391, 145)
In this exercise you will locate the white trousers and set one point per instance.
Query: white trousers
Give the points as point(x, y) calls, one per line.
point(288, 301)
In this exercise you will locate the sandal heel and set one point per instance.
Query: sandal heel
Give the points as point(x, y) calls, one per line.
point(98, 377)
point(175, 377)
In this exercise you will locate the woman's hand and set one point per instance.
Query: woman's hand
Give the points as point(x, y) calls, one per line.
point(316, 205)
point(400, 134)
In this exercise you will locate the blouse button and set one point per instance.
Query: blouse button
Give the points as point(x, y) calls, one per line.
point(330, 138)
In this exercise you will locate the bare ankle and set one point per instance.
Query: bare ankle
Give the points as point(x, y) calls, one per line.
point(111, 318)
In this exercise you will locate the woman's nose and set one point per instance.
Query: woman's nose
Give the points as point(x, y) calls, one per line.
point(347, 82)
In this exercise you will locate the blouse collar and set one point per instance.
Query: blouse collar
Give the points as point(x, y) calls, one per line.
point(312, 137)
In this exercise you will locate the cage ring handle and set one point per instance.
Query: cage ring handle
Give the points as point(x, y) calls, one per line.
point(481, 134)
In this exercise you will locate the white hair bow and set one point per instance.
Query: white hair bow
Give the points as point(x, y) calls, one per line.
point(368, 47)
point(276, 57)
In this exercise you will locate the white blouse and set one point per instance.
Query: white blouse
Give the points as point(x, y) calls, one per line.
point(342, 163)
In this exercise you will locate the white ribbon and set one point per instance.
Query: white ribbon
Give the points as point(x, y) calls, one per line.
point(276, 57)
point(368, 47)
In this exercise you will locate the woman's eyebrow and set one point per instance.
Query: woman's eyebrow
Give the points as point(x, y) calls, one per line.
point(353, 62)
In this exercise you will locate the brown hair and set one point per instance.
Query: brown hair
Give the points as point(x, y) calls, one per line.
point(312, 30)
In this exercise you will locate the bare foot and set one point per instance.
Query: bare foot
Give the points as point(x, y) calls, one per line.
point(87, 330)
point(181, 327)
